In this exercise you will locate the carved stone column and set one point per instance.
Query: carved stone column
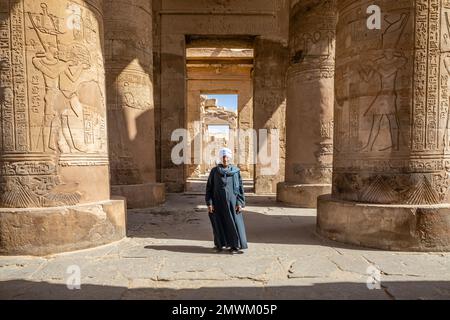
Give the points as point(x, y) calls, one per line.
point(129, 78)
point(392, 154)
point(310, 98)
point(54, 185)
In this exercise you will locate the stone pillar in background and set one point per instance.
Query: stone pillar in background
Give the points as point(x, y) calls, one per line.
point(172, 104)
point(54, 185)
point(310, 101)
point(269, 105)
point(269, 100)
point(129, 78)
point(391, 148)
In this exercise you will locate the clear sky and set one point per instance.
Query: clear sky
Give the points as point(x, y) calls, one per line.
point(212, 129)
point(229, 101)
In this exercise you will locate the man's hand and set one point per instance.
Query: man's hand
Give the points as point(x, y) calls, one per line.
point(210, 209)
point(238, 209)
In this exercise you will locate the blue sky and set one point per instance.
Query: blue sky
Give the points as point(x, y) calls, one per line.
point(229, 101)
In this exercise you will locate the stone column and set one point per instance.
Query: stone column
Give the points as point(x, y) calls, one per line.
point(173, 97)
point(54, 185)
point(129, 79)
point(310, 99)
point(391, 162)
point(269, 105)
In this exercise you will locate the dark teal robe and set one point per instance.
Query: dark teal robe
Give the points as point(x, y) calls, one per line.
point(228, 225)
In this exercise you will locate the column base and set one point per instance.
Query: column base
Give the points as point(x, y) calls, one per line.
point(42, 231)
point(141, 195)
point(388, 227)
point(301, 195)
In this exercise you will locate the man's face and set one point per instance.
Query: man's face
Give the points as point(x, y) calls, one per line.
point(52, 52)
point(225, 160)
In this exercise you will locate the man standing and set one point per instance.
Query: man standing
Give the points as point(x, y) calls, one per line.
point(225, 200)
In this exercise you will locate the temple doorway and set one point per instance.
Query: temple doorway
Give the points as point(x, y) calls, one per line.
point(219, 112)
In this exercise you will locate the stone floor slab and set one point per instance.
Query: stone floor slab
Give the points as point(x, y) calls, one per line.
point(168, 255)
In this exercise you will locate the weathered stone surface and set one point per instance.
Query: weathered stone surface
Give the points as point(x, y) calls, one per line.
point(180, 264)
point(406, 264)
point(391, 144)
point(310, 99)
point(269, 99)
point(141, 195)
point(54, 169)
point(13, 268)
point(301, 195)
point(131, 120)
point(307, 267)
point(40, 231)
point(351, 263)
point(391, 129)
point(54, 140)
point(390, 227)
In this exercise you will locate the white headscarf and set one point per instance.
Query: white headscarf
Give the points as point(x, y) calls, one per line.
point(225, 152)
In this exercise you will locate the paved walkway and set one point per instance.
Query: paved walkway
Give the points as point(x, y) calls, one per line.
point(168, 255)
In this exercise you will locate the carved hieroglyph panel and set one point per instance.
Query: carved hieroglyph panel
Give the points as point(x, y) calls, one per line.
point(310, 93)
point(312, 42)
point(52, 99)
point(135, 90)
point(391, 110)
point(65, 66)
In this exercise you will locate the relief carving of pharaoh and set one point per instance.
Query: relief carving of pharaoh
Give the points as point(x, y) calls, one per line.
point(52, 102)
point(73, 114)
point(382, 72)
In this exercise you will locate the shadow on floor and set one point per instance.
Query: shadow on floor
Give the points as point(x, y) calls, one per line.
point(22, 289)
point(261, 228)
point(250, 199)
point(185, 249)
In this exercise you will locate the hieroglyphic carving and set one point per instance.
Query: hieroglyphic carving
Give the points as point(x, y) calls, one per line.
point(385, 103)
point(68, 69)
point(52, 101)
point(326, 129)
point(444, 110)
point(136, 90)
point(312, 42)
point(310, 91)
point(427, 71)
point(392, 104)
point(313, 173)
point(19, 77)
point(7, 116)
point(34, 184)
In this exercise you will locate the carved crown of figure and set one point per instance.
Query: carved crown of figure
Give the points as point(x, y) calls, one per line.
point(47, 23)
point(47, 26)
point(393, 32)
